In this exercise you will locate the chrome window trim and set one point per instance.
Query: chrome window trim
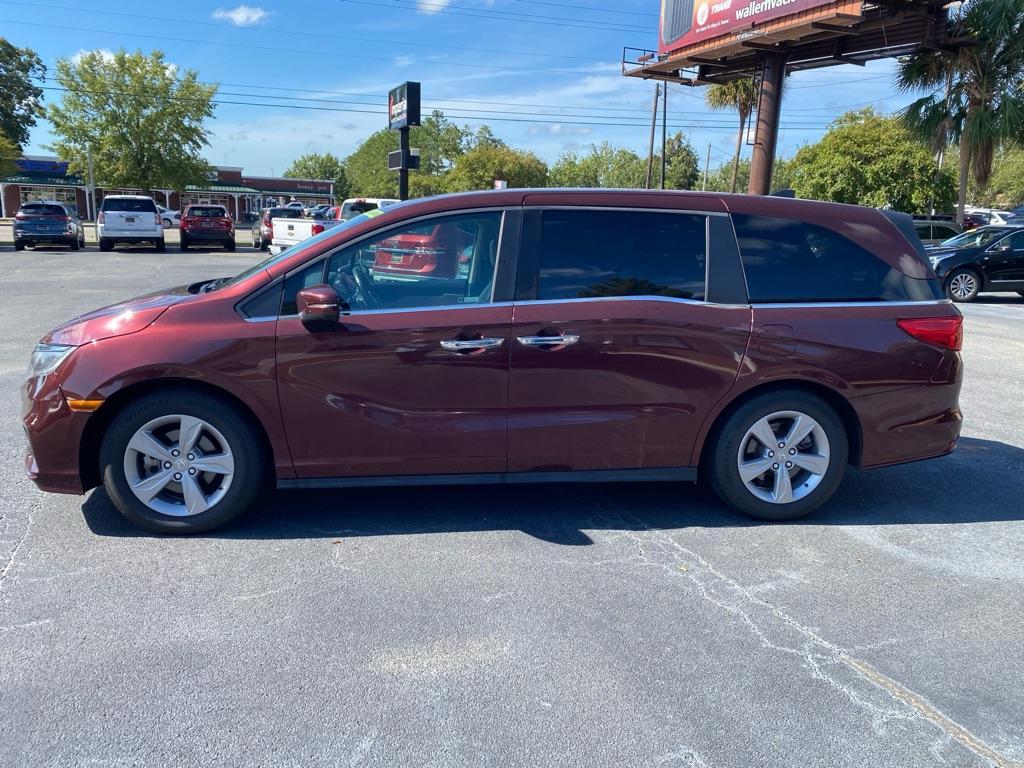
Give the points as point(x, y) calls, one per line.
point(404, 310)
point(630, 208)
point(843, 304)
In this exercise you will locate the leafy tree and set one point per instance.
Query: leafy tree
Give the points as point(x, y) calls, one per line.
point(142, 117)
point(484, 137)
point(1005, 187)
point(741, 96)
point(868, 159)
point(603, 166)
point(720, 178)
point(8, 154)
point(977, 98)
point(19, 96)
point(682, 168)
point(481, 166)
point(440, 141)
point(321, 166)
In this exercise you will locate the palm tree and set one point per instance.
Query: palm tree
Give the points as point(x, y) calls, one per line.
point(740, 95)
point(977, 98)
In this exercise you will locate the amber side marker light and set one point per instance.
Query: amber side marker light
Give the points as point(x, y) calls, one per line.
point(86, 406)
point(946, 332)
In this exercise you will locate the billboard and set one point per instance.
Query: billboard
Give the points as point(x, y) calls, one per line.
point(685, 22)
point(404, 105)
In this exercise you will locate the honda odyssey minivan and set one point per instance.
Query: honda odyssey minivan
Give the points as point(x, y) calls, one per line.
point(761, 344)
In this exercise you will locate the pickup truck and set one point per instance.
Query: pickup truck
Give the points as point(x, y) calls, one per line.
point(288, 232)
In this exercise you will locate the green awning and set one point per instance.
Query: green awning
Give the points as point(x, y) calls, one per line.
point(291, 193)
point(222, 188)
point(39, 178)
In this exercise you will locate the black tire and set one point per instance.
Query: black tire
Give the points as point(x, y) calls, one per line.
point(183, 243)
point(160, 245)
point(229, 246)
point(74, 245)
point(250, 464)
point(104, 244)
point(722, 456)
point(962, 276)
point(19, 245)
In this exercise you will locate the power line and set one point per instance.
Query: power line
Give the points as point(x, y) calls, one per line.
point(292, 33)
point(589, 8)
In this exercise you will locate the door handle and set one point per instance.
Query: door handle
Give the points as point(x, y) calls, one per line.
point(548, 341)
point(468, 345)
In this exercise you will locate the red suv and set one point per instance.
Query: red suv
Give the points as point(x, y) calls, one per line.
point(763, 343)
point(207, 224)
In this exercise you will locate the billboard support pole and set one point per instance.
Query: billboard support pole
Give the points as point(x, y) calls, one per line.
point(769, 107)
point(664, 133)
point(403, 172)
point(650, 145)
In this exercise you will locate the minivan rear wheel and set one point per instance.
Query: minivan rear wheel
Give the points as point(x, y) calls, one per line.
point(779, 456)
point(181, 462)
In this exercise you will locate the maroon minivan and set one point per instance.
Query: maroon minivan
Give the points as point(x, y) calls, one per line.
point(760, 342)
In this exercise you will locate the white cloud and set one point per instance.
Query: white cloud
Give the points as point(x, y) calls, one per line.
point(432, 6)
point(105, 53)
point(242, 16)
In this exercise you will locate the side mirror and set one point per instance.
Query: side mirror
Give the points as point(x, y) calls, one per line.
point(319, 307)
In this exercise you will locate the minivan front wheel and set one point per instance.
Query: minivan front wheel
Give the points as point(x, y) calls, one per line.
point(780, 456)
point(963, 285)
point(176, 462)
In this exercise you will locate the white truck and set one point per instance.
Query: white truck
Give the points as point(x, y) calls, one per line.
point(288, 232)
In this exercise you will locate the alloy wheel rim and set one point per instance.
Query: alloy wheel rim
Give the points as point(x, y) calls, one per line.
point(783, 457)
point(963, 286)
point(179, 465)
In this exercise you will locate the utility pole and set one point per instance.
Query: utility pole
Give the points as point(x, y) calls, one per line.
point(707, 164)
point(650, 146)
point(92, 184)
point(769, 106)
point(664, 135)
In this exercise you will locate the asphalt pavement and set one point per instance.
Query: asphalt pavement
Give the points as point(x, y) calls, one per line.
point(585, 625)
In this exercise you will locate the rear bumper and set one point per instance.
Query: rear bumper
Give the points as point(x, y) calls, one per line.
point(211, 236)
point(54, 433)
point(45, 237)
point(131, 235)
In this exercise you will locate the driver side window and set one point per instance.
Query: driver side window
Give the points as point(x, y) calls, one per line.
point(436, 262)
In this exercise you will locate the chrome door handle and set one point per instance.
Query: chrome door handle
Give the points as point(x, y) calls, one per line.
point(467, 345)
point(548, 341)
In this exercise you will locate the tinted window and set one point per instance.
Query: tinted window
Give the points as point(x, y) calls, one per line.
point(264, 304)
point(285, 213)
point(131, 204)
point(942, 232)
point(41, 209)
point(788, 260)
point(587, 254)
point(206, 211)
point(438, 262)
point(348, 210)
point(1015, 241)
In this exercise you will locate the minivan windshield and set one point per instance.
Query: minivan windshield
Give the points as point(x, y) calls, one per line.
point(287, 253)
point(975, 238)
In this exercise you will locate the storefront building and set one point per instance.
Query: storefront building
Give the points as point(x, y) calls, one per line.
point(47, 178)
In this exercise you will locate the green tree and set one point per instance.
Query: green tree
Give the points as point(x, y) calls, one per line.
point(142, 118)
point(741, 96)
point(602, 166)
point(19, 96)
point(440, 141)
point(8, 154)
point(682, 169)
point(1005, 187)
point(321, 166)
point(977, 98)
point(867, 159)
point(481, 166)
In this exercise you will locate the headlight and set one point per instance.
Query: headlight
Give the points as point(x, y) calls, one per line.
point(46, 358)
point(934, 260)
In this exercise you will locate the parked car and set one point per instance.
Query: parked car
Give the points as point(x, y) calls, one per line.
point(207, 224)
point(50, 222)
point(169, 218)
point(975, 220)
point(296, 205)
point(983, 260)
point(263, 227)
point(131, 219)
point(932, 231)
point(763, 343)
point(319, 211)
point(356, 205)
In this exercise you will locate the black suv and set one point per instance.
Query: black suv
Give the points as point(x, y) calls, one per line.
point(984, 260)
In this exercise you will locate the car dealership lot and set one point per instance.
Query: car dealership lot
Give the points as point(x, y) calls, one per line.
point(548, 625)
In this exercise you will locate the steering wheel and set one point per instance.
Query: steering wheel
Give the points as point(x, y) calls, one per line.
point(364, 285)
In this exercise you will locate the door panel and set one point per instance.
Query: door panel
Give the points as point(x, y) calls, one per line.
point(1006, 266)
point(381, 396)
point(632, 392)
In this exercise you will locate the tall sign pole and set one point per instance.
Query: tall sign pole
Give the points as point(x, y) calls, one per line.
point(403, 113)
point(92, 185)
point(769, 106)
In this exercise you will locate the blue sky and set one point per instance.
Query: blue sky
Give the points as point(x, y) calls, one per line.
point(544, 74)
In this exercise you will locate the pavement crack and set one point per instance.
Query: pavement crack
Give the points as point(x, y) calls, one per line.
point(9, 565)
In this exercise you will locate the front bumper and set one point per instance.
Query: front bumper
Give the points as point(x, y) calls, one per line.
point(54, 433)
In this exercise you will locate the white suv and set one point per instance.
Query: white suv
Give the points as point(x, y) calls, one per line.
point(129, 219)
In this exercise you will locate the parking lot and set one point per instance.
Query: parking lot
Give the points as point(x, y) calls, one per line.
point(590, 625)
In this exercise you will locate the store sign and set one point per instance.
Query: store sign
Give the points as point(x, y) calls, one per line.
point(42, 166)
point(685, 22)
point(404, 106)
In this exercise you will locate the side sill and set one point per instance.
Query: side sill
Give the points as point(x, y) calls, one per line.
point(668, 474)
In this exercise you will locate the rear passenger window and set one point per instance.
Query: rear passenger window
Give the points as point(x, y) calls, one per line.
point(788, 260)
point(593, 253)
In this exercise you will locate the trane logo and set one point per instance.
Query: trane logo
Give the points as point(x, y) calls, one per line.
point(725, 5)
point(761, 6)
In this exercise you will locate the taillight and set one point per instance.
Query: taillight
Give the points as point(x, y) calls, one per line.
point(946, 332)
point(156, 219)
point(99, 218)
point(184, 222)
point(318, 228)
